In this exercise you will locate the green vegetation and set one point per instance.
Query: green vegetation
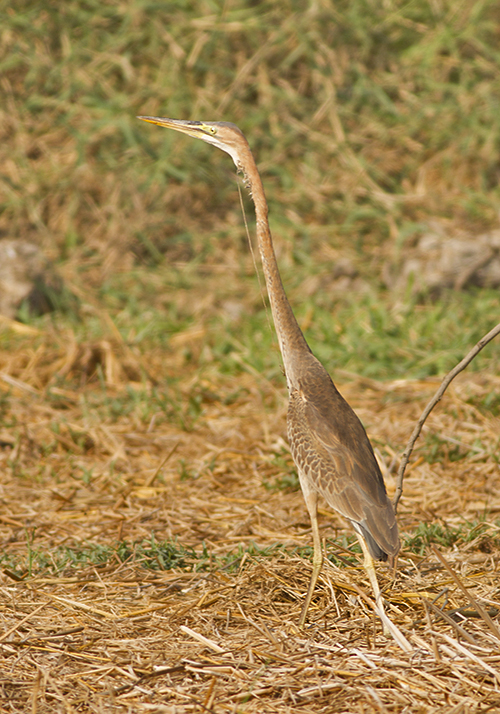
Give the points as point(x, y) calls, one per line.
point(150, 555)
point(162, 555)
point(369, 121)
point(484, 536)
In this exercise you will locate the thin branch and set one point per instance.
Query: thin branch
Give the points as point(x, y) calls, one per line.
point(430, 406)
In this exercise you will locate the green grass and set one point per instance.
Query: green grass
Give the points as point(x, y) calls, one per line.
point(486, 536)
point(367, 335)
point(149, 554)
point(343, 104)
point(369, 121)
point(490, 404)
point(339, 99)
point(154, 555)
point(436, 450)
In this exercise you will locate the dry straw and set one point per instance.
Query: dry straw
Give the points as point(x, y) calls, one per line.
point(384, 116)
point(127, 636)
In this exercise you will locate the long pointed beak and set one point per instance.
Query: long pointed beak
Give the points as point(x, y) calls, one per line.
point(192, 128)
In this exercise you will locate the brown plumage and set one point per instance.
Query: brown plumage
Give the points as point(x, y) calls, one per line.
point(329, 445)
point(331, 448)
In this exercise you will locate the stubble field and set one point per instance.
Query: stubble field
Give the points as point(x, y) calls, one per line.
point(155, 543)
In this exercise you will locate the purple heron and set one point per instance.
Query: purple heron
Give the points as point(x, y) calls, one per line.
point(329, 445)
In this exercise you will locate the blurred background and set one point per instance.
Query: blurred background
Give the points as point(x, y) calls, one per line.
point(376, 130)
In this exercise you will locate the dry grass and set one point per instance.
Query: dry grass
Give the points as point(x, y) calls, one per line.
point(217, 632)
point(155, 546)
point(367, 119)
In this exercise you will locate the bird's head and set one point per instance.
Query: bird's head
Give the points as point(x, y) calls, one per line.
point(221, 134)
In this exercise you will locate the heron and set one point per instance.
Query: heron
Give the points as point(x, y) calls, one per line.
point(329, 445)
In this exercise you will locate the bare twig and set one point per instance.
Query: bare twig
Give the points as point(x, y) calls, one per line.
point(435, 399)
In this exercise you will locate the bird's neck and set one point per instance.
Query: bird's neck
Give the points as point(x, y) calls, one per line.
point(291, 340)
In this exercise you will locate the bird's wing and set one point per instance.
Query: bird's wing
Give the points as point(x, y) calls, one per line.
point(331, 448)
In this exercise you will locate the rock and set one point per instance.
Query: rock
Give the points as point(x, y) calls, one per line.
point(440, 261)
point(25, 274)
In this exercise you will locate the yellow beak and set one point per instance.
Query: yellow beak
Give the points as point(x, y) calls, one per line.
point(192, 128)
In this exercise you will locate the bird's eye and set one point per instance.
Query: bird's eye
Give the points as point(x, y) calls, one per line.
point(212, 130)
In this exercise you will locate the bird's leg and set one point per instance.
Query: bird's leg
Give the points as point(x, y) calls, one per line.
point(311, 499)
point(388, 626)
point(369, 566)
